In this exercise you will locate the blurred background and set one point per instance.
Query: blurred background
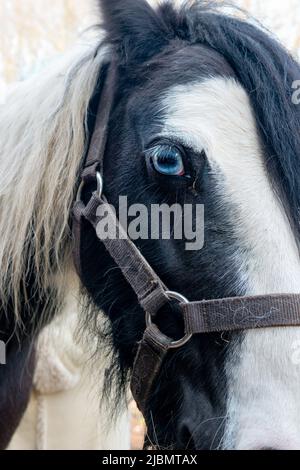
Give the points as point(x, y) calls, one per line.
point(34, 32)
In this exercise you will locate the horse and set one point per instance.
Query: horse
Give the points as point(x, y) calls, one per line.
point(202, 111)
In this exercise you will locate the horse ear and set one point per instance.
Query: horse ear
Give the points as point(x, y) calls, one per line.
point(135, 29)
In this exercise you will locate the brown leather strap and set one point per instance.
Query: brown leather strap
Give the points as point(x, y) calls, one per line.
point(93, 161)
point(77, 230)
point(242, 313)
point(148, 361)
point(148, 287)
point(95, 156)
point(231, 314)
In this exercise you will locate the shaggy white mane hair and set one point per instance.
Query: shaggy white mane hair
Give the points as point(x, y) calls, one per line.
point(43, 129)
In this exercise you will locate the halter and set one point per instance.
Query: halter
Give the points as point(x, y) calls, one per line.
point(207, 316)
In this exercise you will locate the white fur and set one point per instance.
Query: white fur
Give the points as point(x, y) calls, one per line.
point(264, 388)
point(42, 141)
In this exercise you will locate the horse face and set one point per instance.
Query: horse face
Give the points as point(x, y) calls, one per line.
point(183, 131)
point(212, 392)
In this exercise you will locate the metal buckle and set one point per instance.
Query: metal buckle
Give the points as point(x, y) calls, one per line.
point(100, 186)
point(181, 299)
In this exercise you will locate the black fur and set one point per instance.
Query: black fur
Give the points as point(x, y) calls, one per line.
point(16, 384)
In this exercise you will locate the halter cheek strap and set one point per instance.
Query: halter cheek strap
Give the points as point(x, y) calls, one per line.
point(206, 316)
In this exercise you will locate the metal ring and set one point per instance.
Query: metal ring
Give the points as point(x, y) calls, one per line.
point(100, 186)
point(183, 300)
point(79, 192)
point(176, 296)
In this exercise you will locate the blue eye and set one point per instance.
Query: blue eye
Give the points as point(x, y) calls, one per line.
point(167, 160)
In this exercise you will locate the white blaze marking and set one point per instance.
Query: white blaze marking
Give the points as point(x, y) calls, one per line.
point(264, 388)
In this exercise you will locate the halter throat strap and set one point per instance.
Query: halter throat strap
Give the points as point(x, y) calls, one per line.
point(205, 316)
